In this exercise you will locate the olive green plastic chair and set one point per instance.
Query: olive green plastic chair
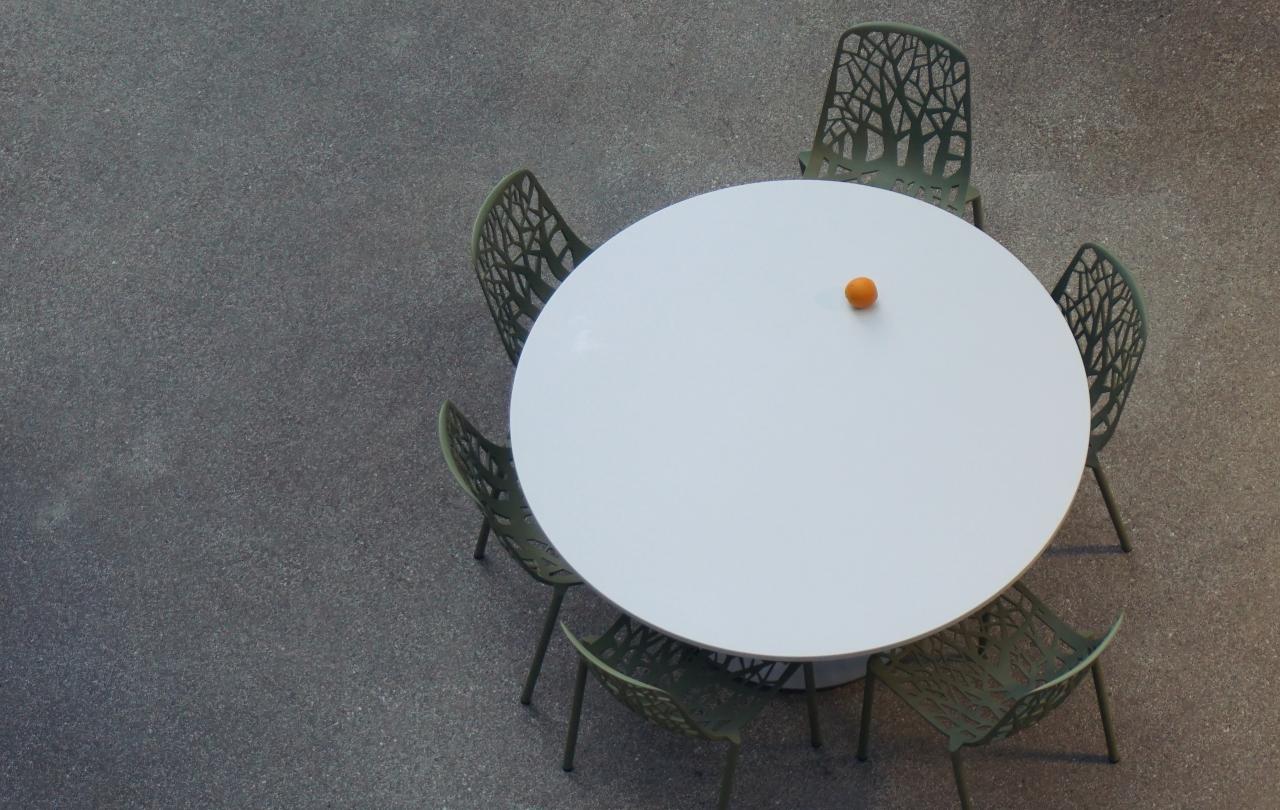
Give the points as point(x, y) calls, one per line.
point(521, 249)
point(485, 471)
point(681, 688)
point(991, 676)
point(1101, 303)
point(896, 116)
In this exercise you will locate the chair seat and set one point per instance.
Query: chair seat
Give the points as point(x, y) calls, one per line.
point(722, 694)
point(971, 195)
point(524, 539)
point(966, 679)
point(964, 709)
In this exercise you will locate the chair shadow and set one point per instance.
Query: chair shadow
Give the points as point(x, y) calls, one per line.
point(1048, 756)
point(1080, 551)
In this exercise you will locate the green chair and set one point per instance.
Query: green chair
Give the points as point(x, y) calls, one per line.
point(521, 249)
point(681, 688)
point(485, 471)
point(991, 675)
point(1101, 303)
point(896, 116)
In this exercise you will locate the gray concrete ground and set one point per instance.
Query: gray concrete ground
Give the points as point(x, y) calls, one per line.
point(235, 290)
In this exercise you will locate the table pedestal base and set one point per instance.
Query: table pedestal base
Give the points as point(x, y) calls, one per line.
point(827, 674)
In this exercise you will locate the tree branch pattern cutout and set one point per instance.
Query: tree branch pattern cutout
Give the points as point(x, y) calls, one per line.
point(896, 115)
point(1105, 312)
point(485, 470)
point(521, 249)
point(678, 686)
point(993, 674)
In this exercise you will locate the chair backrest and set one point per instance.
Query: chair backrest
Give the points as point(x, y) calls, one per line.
point(1102, 306)
point(521, 249)
point(896, 114)
point(666, 658)
point(486, 474)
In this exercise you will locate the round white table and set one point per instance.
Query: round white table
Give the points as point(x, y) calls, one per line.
point(726, 450)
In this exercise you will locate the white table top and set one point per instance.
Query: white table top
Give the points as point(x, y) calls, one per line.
point(726, 450)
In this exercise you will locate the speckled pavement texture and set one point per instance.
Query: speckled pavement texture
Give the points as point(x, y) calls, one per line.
point(234, 571)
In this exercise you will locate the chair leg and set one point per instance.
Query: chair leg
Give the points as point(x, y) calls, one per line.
point(864, 724)
point(726, 781)
point(810, 696)
point(958, 770)
point(547, 627)
point(484, 538)
point(1104, 708)
point(1112, 509)
point(977, 214)
point(575, 716)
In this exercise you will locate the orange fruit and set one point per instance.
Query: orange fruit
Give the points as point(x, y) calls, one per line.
point(861, 292)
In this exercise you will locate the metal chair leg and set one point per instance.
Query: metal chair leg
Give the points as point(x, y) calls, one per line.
point(810, 695)
point(575, 716)
point(726, 781)
point(1104, 708)
point(547, 628)
point(484, 538)
point(1112, 509)
point(864, 723)
point(977, 214)
point(958, 770)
